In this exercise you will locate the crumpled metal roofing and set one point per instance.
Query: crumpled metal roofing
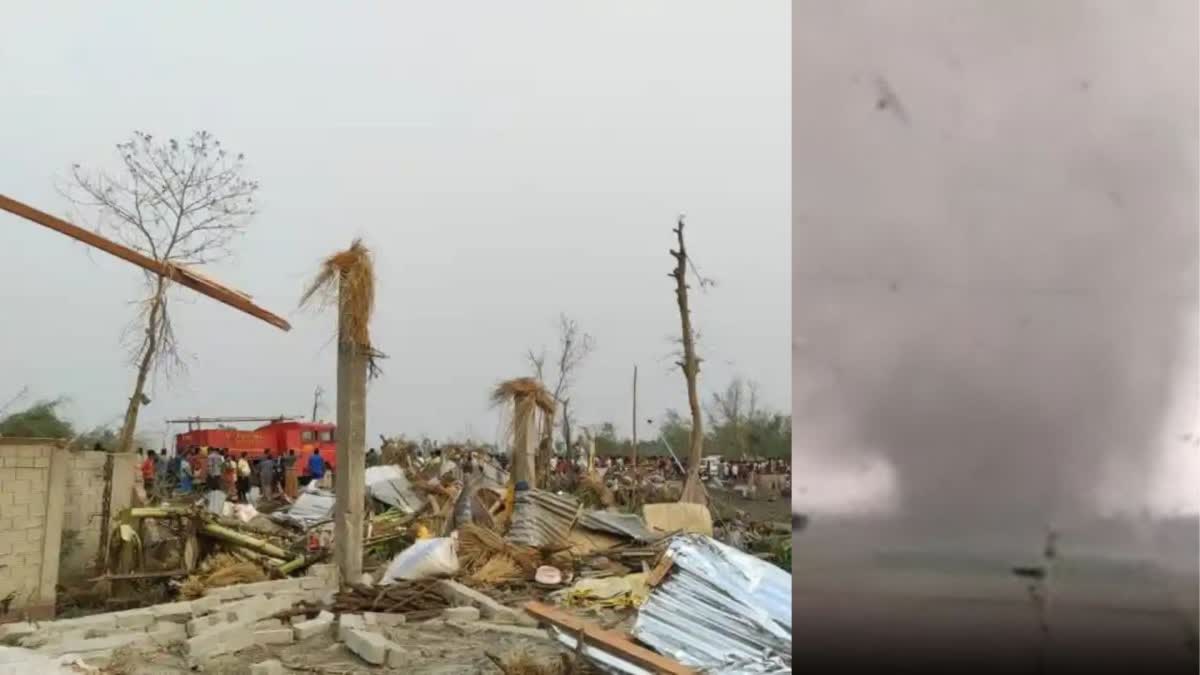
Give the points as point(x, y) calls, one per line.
point(628, 525)
point(604, 661)
point(542, 518)
point(720, 610)
point(388, 484)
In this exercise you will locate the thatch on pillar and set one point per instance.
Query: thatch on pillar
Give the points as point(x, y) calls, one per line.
point(530, 401)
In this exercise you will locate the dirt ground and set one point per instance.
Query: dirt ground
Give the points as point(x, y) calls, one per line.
point(726, 502)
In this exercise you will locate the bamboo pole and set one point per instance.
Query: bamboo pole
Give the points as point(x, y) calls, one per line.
point(238, 539)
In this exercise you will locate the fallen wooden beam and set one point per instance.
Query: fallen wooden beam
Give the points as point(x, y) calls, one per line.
point(607, 640)
point(178, 274)
point(141, 575)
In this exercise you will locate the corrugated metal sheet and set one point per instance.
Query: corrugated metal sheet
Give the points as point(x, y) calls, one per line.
point(542, 518)
point(628, 525)
point(604, 661)
point(720, 610)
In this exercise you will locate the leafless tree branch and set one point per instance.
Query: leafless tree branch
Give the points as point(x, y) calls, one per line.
point(179, 202)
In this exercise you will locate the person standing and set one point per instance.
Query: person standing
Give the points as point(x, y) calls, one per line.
point(199, 467)
point(243, 478)
point(148, 471)
point(229, 474)
point(162, 472)
point(185, 475)
point(215, 465)
point(316, 467)
point(372, 458)
point(266, 475)
point(288, 469)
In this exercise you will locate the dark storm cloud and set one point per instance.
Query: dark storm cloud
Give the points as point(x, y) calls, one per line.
point(995, 253)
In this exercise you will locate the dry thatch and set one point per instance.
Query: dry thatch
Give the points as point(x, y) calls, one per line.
point(497, 569)
point(222, 569)
point(528, 397)
point(525, 662)
point(523, 388)
point(593, 493)
point(478, 545)
point(347, 280)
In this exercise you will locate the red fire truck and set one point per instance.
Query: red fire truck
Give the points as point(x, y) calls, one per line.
point(279, 435)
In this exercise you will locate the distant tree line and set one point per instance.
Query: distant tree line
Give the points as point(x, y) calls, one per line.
point(737, 426)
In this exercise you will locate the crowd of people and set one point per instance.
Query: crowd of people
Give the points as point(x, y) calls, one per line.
point(743, 471)
point(734, 471)
point(220, 470)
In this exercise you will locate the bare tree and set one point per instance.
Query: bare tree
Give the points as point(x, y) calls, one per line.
point(179, 202)
point(734, 409)
point(574, 346)
point(693, 489)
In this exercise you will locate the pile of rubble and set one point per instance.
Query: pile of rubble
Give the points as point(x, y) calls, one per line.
point(453, 553)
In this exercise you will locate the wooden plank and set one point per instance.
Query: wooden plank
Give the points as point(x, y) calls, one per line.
point(607, 640)
point(180, 275)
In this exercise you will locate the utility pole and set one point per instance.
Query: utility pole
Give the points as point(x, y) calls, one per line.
point(634, 449)
point(316, 401)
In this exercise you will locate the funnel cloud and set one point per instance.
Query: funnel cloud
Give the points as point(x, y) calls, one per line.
point(995, 249)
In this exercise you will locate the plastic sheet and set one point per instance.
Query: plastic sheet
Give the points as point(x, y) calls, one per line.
point(426, 558)
point(389, 485)
point(312, 506)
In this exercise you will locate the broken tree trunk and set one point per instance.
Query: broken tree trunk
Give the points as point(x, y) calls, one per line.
point(145, 363)
point(350, 473)
point(693, 489)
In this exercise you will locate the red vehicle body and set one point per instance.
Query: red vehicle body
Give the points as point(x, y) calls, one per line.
point(277, 437)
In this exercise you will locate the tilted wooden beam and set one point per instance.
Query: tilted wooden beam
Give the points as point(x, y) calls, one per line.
point(607, 640)
point(181, 275)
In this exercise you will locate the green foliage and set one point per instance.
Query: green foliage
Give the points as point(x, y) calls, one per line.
point(736, 427)
point(41, 420)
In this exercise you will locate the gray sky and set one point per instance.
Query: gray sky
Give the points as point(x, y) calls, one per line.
point(995, 293)
point(505, 161)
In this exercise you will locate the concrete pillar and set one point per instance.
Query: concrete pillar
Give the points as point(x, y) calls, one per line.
point(350, 473)
point(56, 494)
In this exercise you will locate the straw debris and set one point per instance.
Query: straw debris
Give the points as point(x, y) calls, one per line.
point(222, 569)
point(346, 280)
point(524, 388)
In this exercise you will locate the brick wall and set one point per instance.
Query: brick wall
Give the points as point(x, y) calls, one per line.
point(31, 509)
point(81, 516)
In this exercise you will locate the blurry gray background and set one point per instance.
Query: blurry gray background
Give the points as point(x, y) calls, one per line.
point(995, 258)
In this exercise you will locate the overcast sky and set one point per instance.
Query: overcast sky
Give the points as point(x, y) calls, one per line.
point(505, 161)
